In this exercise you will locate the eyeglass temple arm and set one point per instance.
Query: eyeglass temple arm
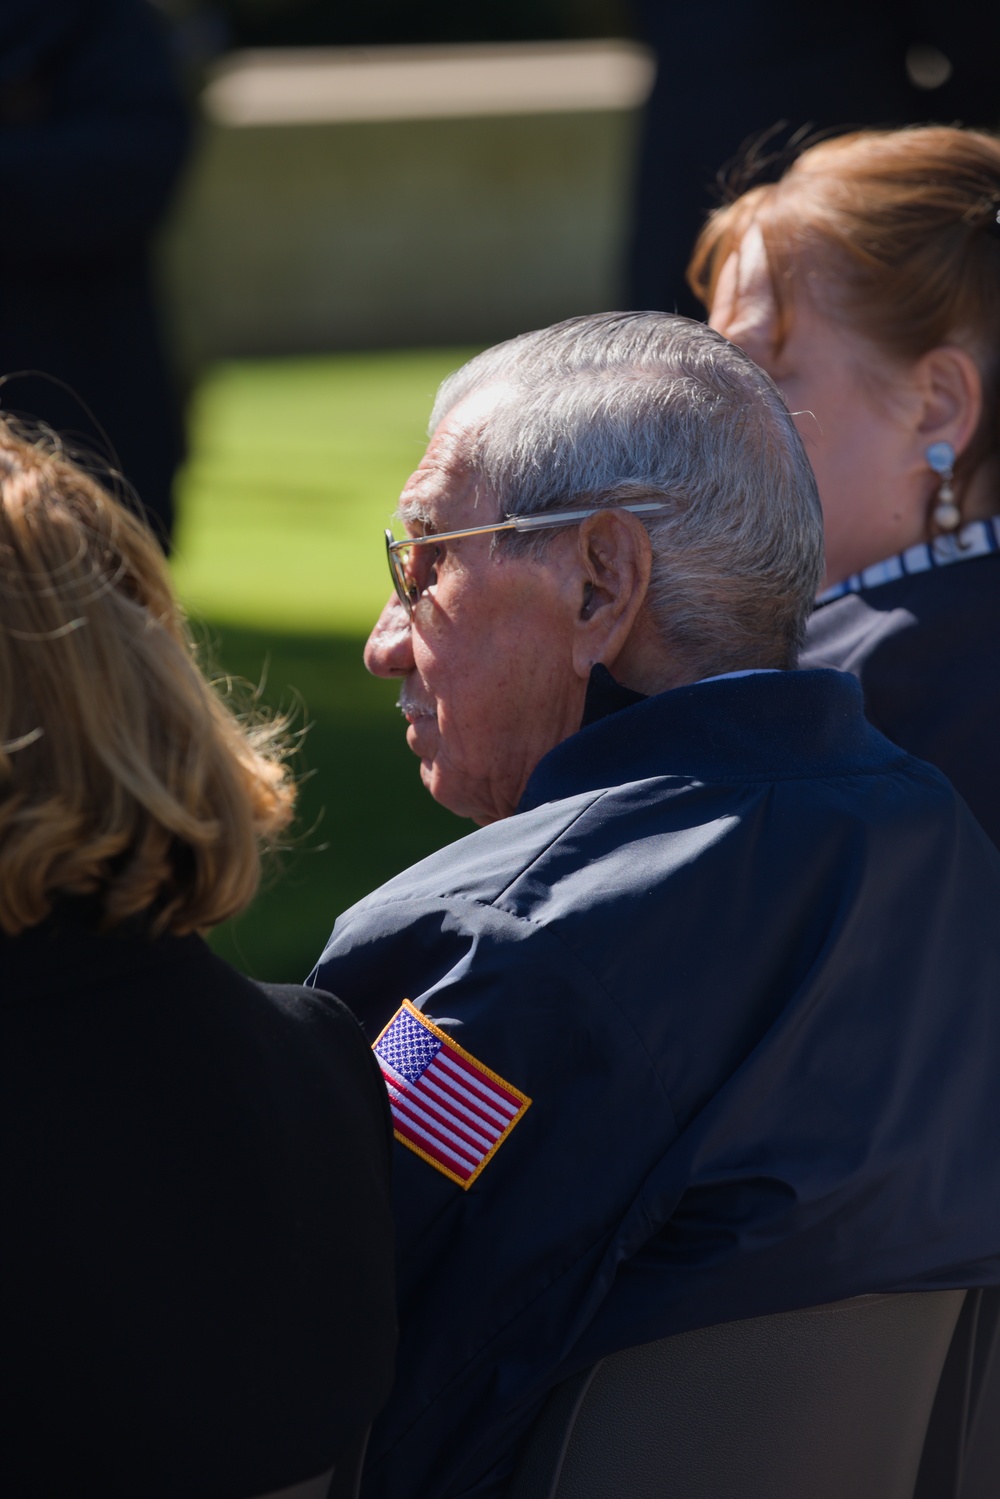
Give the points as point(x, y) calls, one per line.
point(542, 522)
point(564, 517)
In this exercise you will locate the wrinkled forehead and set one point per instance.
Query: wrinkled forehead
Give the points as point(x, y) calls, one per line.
point(445, 491)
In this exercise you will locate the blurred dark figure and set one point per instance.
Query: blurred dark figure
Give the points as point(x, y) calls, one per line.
point(733, 70)
point(93, 132)
point(393, 23)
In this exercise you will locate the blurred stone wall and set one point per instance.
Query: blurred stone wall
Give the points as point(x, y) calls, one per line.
point(368, 198)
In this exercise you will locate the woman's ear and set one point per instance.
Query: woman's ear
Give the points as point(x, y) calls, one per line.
point(951, 388)
point(615, 558)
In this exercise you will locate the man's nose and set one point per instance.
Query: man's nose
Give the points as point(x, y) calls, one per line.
point(389, 652)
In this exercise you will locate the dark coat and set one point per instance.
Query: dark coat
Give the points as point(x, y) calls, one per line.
point(197, 1242)
point(742, 955)
point(926, 650)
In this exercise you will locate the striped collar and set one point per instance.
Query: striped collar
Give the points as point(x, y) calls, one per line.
point(976, 539)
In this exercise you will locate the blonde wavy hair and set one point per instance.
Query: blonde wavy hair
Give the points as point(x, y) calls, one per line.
point(124, 776)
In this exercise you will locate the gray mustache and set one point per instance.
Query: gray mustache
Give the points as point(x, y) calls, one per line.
point(411, 705)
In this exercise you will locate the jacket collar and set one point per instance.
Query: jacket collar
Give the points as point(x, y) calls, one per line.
point(772, 725)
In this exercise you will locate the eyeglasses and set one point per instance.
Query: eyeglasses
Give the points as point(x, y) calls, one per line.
point(412, 568)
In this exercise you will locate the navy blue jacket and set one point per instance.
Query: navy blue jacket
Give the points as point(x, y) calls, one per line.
point(742, 954)
point(926, 650)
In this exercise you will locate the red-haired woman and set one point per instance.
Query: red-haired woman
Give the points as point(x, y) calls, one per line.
point(197, 1242)
point(867, 283)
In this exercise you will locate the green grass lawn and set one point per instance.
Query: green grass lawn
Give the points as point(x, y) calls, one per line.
point(294, 471)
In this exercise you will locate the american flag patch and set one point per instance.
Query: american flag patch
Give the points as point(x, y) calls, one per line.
point(446, 1106)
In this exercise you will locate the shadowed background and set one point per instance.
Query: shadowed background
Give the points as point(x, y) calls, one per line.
point(294, 471)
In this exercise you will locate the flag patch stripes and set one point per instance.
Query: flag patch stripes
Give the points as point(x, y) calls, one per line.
point(446, 1106)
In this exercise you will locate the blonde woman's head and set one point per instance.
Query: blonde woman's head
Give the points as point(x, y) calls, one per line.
point(123, 775)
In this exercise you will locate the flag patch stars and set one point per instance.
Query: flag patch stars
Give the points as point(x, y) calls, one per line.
point(446, 1106)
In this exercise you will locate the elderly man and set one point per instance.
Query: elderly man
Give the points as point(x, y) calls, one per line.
point(702, 1023)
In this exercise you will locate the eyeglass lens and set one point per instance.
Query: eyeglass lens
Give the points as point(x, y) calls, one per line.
point(412, 569)
point(399, 562)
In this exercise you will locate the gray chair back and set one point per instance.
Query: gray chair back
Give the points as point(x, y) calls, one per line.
point(962, 1452)
point(828, 1403)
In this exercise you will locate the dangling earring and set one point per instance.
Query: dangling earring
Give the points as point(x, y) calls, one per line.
point(946, 514)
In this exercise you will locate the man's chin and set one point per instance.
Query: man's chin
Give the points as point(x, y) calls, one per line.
point(460, 793)
point(451, 791)
point(440, 785)
point(455, 792)
point(442, 789)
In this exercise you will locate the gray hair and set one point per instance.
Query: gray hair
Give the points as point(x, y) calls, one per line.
point(605, 409)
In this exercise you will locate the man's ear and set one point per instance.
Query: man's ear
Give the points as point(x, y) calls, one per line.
point(614, 561)
point(952, 396)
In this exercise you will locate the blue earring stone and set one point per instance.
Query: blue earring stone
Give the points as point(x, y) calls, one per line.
point(940, 457)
